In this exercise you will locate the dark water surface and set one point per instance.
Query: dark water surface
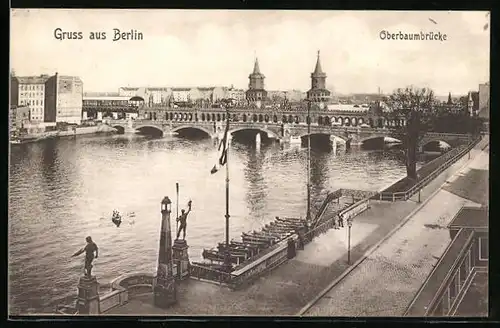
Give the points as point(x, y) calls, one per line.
point(64, 190)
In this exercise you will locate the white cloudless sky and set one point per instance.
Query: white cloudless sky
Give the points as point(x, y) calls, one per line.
point(218, 47)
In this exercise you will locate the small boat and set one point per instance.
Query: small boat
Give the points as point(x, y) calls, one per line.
point(117, 219)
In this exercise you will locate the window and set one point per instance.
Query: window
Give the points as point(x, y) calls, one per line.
point(483, 249)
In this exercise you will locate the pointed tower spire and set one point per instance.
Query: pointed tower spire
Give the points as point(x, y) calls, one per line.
point(256, 69)
point(449, 99)
point(317, 69)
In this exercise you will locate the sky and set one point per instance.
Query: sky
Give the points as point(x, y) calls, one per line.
point(188, 48)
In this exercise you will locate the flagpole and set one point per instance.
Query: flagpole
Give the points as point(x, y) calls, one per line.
point(308, 214)
point(227, 181)
point(177, 217)
point(227, 255)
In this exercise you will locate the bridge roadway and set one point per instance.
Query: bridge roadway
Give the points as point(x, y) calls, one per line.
point(284, 132)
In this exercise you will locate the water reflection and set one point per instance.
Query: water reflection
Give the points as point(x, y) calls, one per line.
point(256, 195)
point(319, 171)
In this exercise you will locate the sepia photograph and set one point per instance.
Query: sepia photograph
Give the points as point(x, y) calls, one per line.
point(294, 163)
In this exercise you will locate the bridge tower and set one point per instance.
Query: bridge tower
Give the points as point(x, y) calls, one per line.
point(318, 94)
point(256, 93)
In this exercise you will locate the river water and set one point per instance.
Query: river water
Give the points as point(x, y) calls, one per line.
point(61, 191)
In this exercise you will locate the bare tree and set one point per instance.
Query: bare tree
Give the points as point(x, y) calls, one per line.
point(415, 106)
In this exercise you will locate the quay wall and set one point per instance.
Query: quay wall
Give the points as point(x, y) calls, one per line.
point(124, 288)
point(84, 130)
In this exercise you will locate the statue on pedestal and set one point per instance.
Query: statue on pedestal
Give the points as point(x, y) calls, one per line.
point(89, 250)
point(183, 220)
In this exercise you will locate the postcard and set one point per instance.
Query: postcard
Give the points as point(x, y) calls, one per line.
point(248, 163)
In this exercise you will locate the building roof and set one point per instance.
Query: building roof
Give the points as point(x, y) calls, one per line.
point(317, 70)
point(101, 94)
point(256, 70)
point(68, 77)
point(136, 98)
point(156, 89)
point(129, 88)
point(32, 79)
point(347, 108)
point(106, 97)
point(470, 217)
point(181, 89)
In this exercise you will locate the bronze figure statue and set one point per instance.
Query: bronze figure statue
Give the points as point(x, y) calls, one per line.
point(183, 219)
point(89, 250)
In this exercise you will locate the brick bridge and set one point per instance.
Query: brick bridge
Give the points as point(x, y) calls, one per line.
point(283, 132)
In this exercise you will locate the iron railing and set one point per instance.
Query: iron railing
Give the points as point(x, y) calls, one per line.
point(449, 159)
point(206, 273)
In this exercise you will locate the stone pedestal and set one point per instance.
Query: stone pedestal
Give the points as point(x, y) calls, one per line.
point(181, 258)
point(165, 293)
point(88, 296)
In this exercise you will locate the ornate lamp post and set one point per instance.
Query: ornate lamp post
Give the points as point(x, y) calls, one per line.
point(349, 225)
point(164, 287)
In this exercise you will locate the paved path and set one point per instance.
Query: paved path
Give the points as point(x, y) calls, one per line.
point(387, 280)
point(291, 286)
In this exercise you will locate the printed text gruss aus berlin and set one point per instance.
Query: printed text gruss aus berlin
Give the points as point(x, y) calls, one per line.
point(117, 35)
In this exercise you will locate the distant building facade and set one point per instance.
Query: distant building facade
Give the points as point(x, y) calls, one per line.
point(181, 94)
point(295, 95)
point(50, 98)
point(484, 97)
point(18, 117)
point(30, 91)
point(154, 96)
point(238, 95)
point(69, 100)
point(128, 91)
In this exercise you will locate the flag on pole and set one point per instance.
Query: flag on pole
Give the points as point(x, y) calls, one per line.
point(224, 144)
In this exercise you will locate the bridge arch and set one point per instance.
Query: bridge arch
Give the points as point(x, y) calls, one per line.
point(144, 128)
point(119, 129)
point(377, 137)
point(426, 142)
point(323, 134)
point(270, 133)
point(199, 128)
